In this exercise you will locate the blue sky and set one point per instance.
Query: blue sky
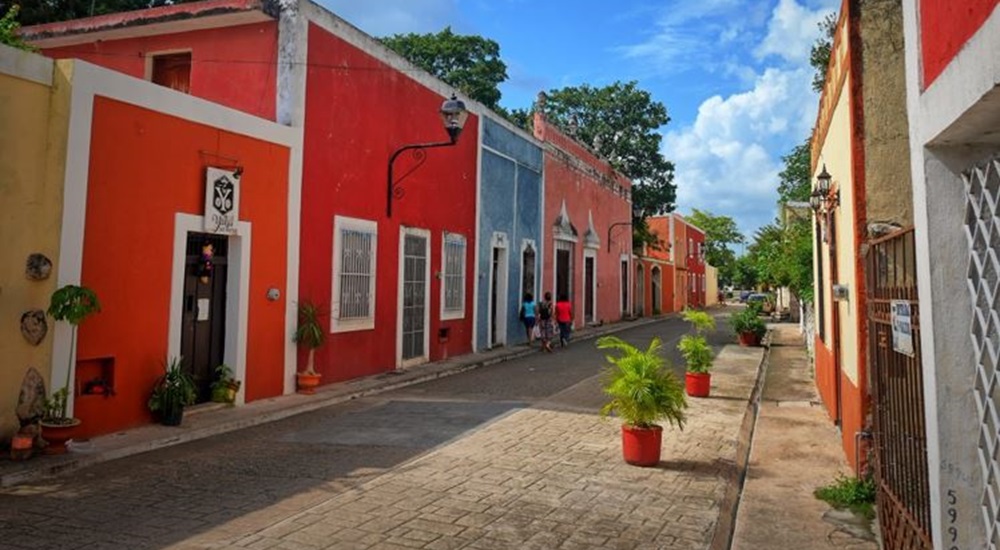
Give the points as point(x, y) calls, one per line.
point(733, 74)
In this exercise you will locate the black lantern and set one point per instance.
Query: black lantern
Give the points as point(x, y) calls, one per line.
point(823, 181)
point(816, 201)
point(453, 115)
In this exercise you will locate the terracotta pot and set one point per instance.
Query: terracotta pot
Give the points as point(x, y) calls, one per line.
point(58, 434)
point(698, 384)
point(641, 446)
point(749, 339)
point(307, 383)
point(22, 446)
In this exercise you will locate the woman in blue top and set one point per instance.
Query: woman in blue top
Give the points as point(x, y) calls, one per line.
point(528, 315)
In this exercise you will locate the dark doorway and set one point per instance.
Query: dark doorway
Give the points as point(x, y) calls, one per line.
point(498, 298)
point(588, 290)
point(203, 331)
point(624, 288)
point(563, 272)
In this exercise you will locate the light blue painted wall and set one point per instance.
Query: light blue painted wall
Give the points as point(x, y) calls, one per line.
point(511, 203)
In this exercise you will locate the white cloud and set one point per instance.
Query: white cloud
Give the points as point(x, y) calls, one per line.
point(729, 158)
point(791, 31)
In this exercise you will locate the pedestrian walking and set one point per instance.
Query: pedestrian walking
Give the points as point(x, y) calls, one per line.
point(564, 316)
point(527, 315)
point(546, 324)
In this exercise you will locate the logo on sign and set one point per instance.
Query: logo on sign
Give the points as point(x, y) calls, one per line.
point(223, 195)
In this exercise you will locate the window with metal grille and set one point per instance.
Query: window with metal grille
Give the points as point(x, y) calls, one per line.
point(354, 274)
point(453, 277)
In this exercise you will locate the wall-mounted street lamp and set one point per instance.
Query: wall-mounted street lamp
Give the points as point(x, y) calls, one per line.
point(636, 213)
point(820, 199)
point(453, 116)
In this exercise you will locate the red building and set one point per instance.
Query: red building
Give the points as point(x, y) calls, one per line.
point(398, 289)
point(587, 221)
point(655, 273)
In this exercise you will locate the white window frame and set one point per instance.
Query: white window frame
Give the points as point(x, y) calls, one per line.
point(340, 224)
point(446, 237)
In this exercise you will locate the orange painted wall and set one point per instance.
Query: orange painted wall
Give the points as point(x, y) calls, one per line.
point(144, 167)
point(825, 378)
point(854, 403)
point(236, 67)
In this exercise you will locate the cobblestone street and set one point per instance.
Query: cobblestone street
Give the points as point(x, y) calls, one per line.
point(415, 468)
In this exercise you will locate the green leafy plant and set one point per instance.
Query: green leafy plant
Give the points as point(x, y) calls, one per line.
point(173, 390)
point(310, 332)
point(225, 386)
point(641, 390)
point(748, 321)
point(855, 494)
point(694, 347)
point(8, 30)
point(71, 304)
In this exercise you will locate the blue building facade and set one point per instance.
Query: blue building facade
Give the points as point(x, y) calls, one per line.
point(509, 255)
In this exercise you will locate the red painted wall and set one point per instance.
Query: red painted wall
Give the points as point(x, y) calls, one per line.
point(945, 27)
point(358, 111)
point(584, 193)
point(145, 167)
point(696, 268)
point(235, 66)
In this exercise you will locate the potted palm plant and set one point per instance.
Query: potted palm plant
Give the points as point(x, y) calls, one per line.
point(641, 392)
point(73, 304)
point(748, 326)
point(697, 354)
point(172, 391)
point(310, 335)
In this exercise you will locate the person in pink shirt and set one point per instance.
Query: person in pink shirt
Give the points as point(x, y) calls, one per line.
point(564, 316)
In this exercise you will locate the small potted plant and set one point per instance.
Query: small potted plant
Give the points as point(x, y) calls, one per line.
point(225, 387)
point(172, 391)
point(697, 353)
point(310, 335)
point(73, 304)
point(748, 326)
point(641, 392)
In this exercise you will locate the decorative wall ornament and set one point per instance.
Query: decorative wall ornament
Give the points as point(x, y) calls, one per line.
point(31, 400)
point(38, 267)
point(34, 327)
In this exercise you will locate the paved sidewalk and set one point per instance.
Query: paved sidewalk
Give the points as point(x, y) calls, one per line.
point(796, 449)
point(212, 419)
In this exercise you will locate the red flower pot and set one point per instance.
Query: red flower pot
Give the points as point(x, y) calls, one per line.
point(698, 384)
point(641, 446)
point(21, 446)
point(749, 339)
point(58, 434)
point(307, 383)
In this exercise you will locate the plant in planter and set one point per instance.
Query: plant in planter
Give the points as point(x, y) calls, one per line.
point(73, 304)
point(172, 391)
point(311, 335)
point(641, 392)
point(225, 387)
point(748, 326)
point(697, 353)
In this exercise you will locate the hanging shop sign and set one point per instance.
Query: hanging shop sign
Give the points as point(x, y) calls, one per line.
point(222, 201)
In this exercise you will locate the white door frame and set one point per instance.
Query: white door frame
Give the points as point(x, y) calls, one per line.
point(426, 234)
point(498, 242)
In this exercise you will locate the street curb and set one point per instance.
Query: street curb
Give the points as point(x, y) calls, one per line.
point(729, 505)
point(336, 394)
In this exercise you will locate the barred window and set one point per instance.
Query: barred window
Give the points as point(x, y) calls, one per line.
point(453, 276)
point(354, 274)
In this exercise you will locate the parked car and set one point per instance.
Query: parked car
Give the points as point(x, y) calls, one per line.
point(744, 295)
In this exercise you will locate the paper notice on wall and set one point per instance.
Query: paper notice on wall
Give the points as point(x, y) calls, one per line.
point(203, 306)
point(902, 330)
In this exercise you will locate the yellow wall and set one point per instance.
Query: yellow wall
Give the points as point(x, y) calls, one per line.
point(32, 160)
point(711, 285)
point(836, 155)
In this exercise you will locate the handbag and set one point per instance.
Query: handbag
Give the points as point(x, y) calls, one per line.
point(536, 332)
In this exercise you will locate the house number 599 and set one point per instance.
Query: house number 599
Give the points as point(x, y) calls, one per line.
point(952, 518)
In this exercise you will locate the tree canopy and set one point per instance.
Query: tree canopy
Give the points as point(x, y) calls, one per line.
point(819, 55)
point(34, 12)
point(621, 123)
point(468, 62)
point(8, 30)
point(795, 181)
point(720, 233)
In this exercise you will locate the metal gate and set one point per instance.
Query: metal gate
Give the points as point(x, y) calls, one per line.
point(900, 440)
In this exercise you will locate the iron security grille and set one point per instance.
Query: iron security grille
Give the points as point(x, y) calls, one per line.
point(454, 273)
point(355, 274)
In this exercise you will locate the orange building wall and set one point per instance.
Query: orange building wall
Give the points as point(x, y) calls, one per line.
point(144, 168)
point(239, 70)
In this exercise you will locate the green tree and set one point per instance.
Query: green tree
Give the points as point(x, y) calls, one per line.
point(468, 62)
point(622, 124)
point(8, 30)
point(721, 233)
point(34, 12)
point(782, 256)
point(819, 55)
point(795, 181)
